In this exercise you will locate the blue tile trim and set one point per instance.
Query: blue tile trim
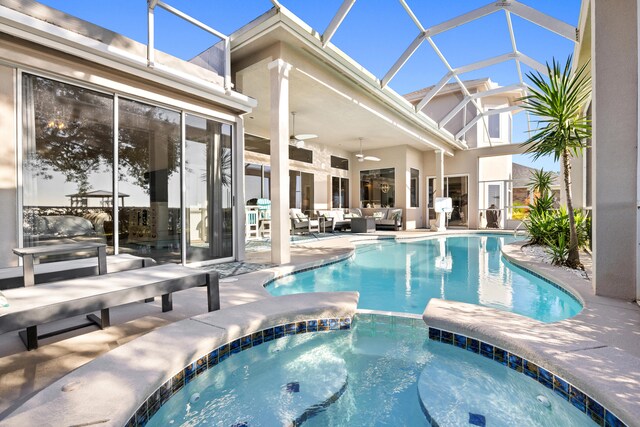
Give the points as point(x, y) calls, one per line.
point(313, 267)
point(217, 355)
point(539, 276)
point(579, 399)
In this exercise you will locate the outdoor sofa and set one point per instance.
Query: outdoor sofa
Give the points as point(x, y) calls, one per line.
point(385, 218)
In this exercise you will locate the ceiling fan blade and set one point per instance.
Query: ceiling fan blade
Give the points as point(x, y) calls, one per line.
point(360, 156)
point(372, 158)
point(305, 136)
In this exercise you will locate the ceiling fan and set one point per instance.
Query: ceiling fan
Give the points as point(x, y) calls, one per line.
point(361, 157)
point(298, 140)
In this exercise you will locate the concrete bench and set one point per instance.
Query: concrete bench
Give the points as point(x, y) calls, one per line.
point(36, 305)
point(11, 277)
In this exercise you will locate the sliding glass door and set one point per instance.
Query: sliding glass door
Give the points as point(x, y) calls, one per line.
point(301, 191)
point(209, 191)
point(149, 169)
point(68, 174)
point(67, 169)
point(456, 187)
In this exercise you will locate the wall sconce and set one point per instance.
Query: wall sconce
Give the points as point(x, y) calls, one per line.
point(384, 187)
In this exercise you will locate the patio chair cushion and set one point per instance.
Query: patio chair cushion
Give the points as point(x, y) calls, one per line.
point(395, 214)
point(355, 213)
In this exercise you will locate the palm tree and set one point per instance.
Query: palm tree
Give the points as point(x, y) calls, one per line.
point(557, 102)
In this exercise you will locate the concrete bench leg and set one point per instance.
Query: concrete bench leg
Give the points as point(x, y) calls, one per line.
point(167, 302)
point(104, 321)
point(30, 337)
point(213, 291)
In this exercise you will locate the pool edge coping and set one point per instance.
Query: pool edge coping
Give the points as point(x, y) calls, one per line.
point(101, 393)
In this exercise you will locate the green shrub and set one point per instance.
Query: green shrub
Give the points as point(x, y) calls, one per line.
point(558, 249)
point(541, 226)
point(542, 204)
point(551, 227)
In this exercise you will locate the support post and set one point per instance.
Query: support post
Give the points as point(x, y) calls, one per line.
point(279, 78)
point(614, 53)
point(439, 188)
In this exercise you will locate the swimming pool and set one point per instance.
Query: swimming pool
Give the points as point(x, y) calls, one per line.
point(403, 276)
point(384, 371)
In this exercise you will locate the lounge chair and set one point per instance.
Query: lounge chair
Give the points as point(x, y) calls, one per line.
point(493, 218)
point(301, 223)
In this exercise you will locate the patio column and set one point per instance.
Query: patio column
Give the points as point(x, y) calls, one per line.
point(614, 67)
point(279, 80)
point(439, 188)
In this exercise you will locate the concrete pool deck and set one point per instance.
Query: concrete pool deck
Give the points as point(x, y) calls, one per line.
point(613, 323)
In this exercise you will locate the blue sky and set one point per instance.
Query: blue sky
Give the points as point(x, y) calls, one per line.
point(374, 33)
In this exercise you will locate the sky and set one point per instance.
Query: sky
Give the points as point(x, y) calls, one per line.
point(374, 33)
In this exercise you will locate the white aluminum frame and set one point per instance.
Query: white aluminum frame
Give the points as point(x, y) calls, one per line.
point(152, 4)
point(510, 7)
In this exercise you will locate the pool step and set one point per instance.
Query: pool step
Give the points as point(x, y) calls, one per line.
point(461, 388)
point(282, 390)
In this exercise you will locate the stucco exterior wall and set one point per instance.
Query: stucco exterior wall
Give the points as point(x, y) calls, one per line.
point(614, 54)
point(441, 105)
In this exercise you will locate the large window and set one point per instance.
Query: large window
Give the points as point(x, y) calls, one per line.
point(209, 195)
point(68, 163)
point(257, 144)
point(68, 175)
point(494, 126)
point(300, 154)
point(339, 163)
point(414, 188)
point(377, 188)
point(301, 191)
point(149, 168)
point(339, 192)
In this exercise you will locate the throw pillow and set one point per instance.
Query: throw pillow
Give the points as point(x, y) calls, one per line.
point(378, 215)
point(3, 300)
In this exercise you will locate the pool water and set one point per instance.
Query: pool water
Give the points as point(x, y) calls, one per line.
point(403, 276)
point(372, 375)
